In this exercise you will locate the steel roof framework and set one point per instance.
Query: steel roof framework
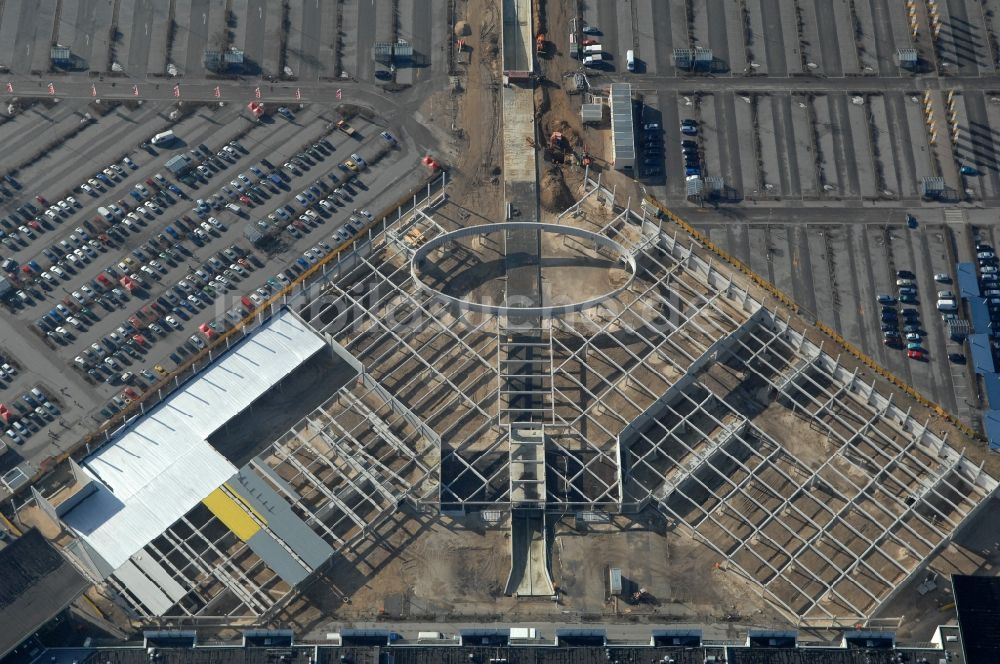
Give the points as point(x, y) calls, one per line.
point(653, 399)
point(683, 340)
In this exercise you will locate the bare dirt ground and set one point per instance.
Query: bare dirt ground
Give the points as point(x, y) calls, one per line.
point(470, 114)
point(557, 110)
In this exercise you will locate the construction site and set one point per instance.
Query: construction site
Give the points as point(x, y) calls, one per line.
point(563, 407)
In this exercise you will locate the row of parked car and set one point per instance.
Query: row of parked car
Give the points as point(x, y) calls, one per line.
point(912, 332)
point(33, 410)
point(110, 227)
point(182, 301)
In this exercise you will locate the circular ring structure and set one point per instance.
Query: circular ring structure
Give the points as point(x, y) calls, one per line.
point(502, 310)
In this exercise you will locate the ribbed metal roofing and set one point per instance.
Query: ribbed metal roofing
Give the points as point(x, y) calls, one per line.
point(622, 128)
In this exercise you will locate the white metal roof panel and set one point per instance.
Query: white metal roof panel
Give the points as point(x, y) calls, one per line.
point(622, 126)
point(160, 465)
point(147, 592)
point(160, 576)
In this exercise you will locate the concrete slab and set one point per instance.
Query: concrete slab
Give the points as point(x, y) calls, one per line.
point(156, 62)
point(869, 52)
point(766, 127)
point(736, 39)
point(919, 147)
point(728, 138)
point(862, 164)
point(518, 153)
point(757, 48)
point(843, 21)
point(884, 145)
point(908, 185)
point(985, 114)
point(44, 16)
point(829, 173)
point(805, 151)
point(649, 39)
point(815, 42)
point(84, 29)
point(271, 63)
point(122, 43)
point(709, 137)
point(182, 34)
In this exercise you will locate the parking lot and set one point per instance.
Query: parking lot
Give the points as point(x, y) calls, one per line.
point(837, 272)
point(79, 335)
point(313, 40)
point(796, 130)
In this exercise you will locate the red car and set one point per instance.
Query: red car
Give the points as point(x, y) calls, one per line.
point(915, 354)
point(41, 199)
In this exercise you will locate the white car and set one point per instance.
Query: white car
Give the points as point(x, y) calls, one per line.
point(71, 202)
point(326, 205)
point(87, 189)
point(173, 322)
point(58, 271)
point(215, 222)
point(197, 341)
point(128, 162)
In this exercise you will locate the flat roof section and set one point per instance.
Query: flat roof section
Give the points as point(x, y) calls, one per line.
point(622, 127)
point(160, 465)
point(977, 602)
point(36, 583)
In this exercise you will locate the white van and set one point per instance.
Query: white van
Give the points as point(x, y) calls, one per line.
point(947, 305)
point(163, 137)
point(593, 48)
point(105, 213)
point(630, 59)
point(592, 60)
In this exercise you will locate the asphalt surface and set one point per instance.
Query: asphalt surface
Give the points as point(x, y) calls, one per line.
point(49, 366)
